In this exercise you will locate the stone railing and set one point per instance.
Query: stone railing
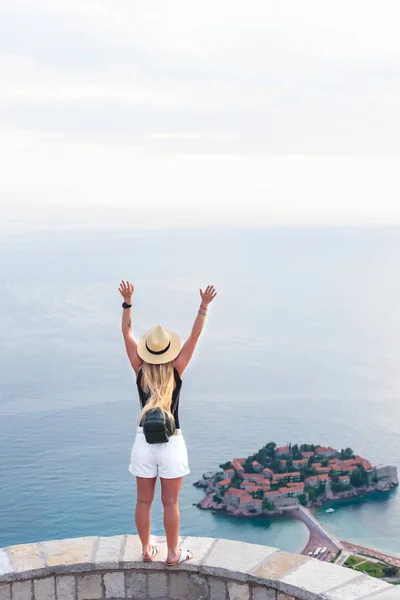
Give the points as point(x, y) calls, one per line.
point(94, 568)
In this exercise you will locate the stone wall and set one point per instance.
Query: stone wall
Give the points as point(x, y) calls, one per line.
point(94, 568)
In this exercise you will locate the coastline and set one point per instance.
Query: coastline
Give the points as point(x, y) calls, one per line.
point(238, 498)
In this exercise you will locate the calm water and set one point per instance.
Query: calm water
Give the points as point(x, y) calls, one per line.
point(301, 344)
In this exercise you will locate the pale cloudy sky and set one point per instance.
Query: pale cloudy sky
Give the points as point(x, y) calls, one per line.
point(257, 112)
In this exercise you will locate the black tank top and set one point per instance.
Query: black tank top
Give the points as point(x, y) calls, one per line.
point(144, 396)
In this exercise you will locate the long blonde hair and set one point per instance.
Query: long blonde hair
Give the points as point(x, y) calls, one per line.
point(159, 380)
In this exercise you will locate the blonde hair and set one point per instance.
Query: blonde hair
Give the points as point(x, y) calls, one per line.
point(159, 380)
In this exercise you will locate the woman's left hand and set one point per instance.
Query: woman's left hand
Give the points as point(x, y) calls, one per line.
point(208, 295)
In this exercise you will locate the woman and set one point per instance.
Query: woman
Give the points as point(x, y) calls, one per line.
point(159, 362)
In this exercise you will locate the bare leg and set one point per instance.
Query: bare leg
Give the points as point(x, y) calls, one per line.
point(170, 489)
point(145, 496)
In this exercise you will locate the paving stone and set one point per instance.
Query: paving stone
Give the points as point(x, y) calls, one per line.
point(199, 547)
point(26, 557)
point(262, 593)
point(22, 590)
point(316, 576)
point(217, 588)
point(278, 564)
point(65, 586)
point(5, 591)
point(5, 565)
point(133, 549)
point(282, 596)
point(178, 586)
point(238, 591)
point(237, 557)
point(44, 589)
point(108, 550)
point(157, 584)
point(68, 551)
point(136, 585)
point(393, 593)
point(358, 589)
point(198, 587)
point(89, 587)
point(114, 584)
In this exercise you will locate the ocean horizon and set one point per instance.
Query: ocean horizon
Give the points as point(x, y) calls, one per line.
point(301, 345)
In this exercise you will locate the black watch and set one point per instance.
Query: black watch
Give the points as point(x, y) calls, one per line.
point(126, 305)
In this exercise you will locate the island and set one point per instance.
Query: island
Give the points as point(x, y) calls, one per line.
point(276, 479)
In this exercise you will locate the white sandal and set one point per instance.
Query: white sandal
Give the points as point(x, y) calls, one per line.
point(185, 555)
point(153, 554)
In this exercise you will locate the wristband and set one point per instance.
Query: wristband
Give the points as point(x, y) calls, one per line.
point(126, 305)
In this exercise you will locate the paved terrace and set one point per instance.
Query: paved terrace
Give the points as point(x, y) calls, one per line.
point(94, 568)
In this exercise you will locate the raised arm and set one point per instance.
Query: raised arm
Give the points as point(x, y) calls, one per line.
point(186, 353)
point(126, 290)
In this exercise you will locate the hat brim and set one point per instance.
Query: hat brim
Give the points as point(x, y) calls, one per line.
point(159, 359)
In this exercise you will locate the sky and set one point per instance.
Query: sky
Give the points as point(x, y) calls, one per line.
point(165, 112)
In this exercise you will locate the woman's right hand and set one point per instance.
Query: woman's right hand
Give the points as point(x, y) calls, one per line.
point(208, 295)
point(126, 290)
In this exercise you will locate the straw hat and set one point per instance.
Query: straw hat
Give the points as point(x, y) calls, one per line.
point(159, 346)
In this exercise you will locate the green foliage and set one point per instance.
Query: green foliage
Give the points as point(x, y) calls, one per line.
point(324, 462)
point(357, 478)
point(390, 571)
point(340, 487)
point(226, 466)
point(259, 494)
point(267, 504)
point(312, 494)
point(320, 490)
point(217, 499)
point(270, 448)
point(303, 499)
point(276, 466)
point(237, 480)
point(346, 453)
point(248, 468)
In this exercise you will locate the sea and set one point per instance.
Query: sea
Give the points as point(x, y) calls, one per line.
point(301, 345)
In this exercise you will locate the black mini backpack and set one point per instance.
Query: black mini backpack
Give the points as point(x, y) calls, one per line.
point(157, 426)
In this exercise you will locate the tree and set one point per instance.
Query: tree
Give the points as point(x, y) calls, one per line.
point(296, 452)
point(270, 448)
point(324, 462)
point(346, 454)
point(217, 499)
point(390, 571)
point(237, 480)
point(248, 468)
point(267, 505)
point(340, 487)
point(275, 465)
point(303, 499)
point(357, 478)
point(311, 493)
point(226, 466)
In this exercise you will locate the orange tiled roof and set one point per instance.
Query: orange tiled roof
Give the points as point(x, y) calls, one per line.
point(235, 492)
point(224, 482)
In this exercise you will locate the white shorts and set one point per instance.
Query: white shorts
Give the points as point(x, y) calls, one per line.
point(168, 460)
